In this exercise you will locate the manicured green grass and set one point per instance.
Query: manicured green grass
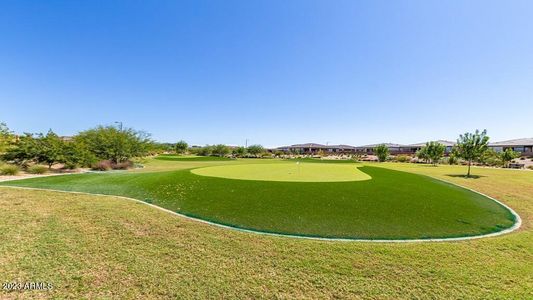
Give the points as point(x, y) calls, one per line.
point(295, 171)
point(93, 247)
point(392, 205)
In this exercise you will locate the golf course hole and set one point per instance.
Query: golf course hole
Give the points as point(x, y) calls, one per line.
point(297, 172)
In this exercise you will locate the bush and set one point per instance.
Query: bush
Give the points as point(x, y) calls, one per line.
point(103, 165)
point(403, 158)
point(9, 170)
point(37, 169)
point(122, 165)
point(530, 167)
point(70, 165)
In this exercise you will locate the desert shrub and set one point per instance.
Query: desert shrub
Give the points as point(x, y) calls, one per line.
point(530, 167)
point(69, 165)
point(37, 169)
point(122, 165)
point(9, 170)
point(103, 165)
point(403, 158)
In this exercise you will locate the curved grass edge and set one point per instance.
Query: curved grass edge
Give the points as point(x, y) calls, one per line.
point(517, 224)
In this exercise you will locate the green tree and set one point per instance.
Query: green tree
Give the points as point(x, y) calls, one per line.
point(7, 138)
point(471, 146)
point(422, 154)
point(181, 147)
point(117, 145)
point(382, 152)
point(507, 156)
point(239, 151)
point(434, 151)
point(205, 151)
point(221, 150)
point(255, 150)
point(48, 149)
point(22, 151)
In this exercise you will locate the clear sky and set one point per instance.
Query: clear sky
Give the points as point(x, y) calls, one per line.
point(275, 72)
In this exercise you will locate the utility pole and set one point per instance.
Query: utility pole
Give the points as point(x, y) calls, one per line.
point(120, 125)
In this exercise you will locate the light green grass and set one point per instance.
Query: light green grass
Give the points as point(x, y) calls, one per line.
point(93, 247)
point(300, 172)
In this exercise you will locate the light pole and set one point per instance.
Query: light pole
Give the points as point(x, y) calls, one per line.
point(120, 125)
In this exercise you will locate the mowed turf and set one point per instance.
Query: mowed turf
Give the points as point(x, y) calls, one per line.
point(392, 205)
point(296, 171)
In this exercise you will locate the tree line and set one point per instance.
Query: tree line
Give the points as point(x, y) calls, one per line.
point(108, 145)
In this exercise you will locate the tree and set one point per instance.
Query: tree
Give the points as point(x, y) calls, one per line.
point(205, 151)
point(22, 151)
point(507, 156)
point(221, 150)
point(48, 149)
point(382, 152)
point(471, 146)
point(7, 138)
point(239, 151)
point(117, 145)
point(255, 150)
point(181, 147)
point(422, 154)
point(434, 151)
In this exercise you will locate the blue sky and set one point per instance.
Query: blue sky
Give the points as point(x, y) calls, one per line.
point(274, 72)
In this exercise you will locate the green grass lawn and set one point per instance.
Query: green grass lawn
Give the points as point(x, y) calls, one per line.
point(295, 171)
point(93, 247)
point(392, 205)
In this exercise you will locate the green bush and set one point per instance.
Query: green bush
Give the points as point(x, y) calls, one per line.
point(37, 169)
point(403, 158)
point(9, 170)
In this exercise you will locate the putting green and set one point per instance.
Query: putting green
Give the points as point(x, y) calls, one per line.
point(300, 172)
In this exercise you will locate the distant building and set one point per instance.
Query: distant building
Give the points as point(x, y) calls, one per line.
point(524, 146)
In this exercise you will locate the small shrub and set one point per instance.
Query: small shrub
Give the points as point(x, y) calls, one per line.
point(104, 165)
point(530, 167)
point(403, 158)
point(122, 165)
point(9, 170)
point(37, 169)
point(70, 166)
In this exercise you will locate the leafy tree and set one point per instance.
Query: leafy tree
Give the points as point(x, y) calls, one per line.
point(7, 138)
point(471, 146)
point(382, 152)
point(117, 145)
point(239, 151)
point(77, 154)
point(205, 151)
point(507, 156)
point(434, 151)
point(452, 158)
point(48, 149)
point(422, 154)
point(255, 150)
point(181, 147)
point(22, 151)
point(221, 150)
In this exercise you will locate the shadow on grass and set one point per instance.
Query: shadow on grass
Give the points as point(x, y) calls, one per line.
point(464, 176)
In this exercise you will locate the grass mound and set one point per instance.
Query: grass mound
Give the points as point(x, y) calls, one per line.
point(393, 205)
